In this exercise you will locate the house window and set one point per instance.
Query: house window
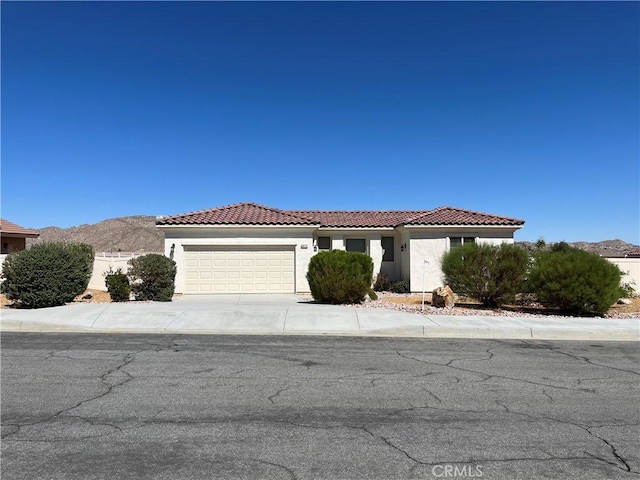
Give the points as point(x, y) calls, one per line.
point(324, 243)
point(356, 245)
point(387, 247)
point(455, 242)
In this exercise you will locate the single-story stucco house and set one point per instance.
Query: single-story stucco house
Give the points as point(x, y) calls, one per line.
point(14, 237)
point(251, 248)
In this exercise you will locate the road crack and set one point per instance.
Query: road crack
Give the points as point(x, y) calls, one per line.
point(487, 376)
point(114, 377)
point(277, 394)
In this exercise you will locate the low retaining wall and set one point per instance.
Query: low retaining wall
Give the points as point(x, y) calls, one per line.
point(631, 268)
point(102, 264)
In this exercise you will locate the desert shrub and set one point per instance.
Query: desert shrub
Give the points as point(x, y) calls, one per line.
point(627, 290)
point(118, 285)
point(401, 286)
point(575, 281)
point(372, 294)
point(382, 283)
point(491, 274)
point(340, 277)
point(48, 274)
point(152, 277)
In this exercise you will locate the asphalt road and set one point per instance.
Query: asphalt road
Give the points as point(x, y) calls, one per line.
point(79, 406)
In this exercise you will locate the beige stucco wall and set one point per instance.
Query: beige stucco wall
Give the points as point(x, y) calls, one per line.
point(430, 244)
point(429, 247)
point(421, 244)
point(101, 266)
point(405, 257)
point(373, 238)
point(631, 268)
point(300, 239)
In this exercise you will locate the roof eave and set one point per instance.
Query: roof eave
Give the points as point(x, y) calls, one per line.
point(347, 227)
point(236, 225)
point(460, 225)
point(19, 235)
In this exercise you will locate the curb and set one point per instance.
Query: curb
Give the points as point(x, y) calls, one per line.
point(417, 331)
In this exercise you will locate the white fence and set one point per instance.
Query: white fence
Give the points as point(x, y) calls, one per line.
point(102, 263)
point(631, 268)
point(105, 261)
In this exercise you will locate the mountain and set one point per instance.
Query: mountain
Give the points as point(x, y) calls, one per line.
point(139, 234)
point(124, 234)
point(606, 248)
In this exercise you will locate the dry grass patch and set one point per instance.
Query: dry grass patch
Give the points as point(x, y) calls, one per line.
point(633, 307)
point(98, 297)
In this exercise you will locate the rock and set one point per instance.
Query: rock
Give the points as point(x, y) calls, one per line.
point(624, 301)
point(88, 296)
point(443, 297)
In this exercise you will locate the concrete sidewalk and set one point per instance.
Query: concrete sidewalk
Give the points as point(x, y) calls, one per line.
point(293, 315)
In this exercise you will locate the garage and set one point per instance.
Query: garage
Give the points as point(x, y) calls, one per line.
point(234, 269)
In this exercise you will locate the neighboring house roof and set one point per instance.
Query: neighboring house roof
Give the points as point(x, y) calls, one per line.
point(254, 214)
point(11, 229)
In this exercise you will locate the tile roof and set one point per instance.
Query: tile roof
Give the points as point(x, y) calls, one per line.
point(254, 214)
point(458, 216)
point(361, 218)
point(10, 228)
point(237, 214)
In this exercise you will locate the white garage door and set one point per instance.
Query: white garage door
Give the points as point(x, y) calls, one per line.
point(239, 270)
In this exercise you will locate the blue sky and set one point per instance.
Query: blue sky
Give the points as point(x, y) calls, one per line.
point(524, 109)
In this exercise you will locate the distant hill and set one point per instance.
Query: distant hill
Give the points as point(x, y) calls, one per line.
point(124, 234)
point(139, 234)
point(606, 248)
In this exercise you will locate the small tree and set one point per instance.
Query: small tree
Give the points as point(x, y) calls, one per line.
point(340, 277)
point(492, 274)
point(117, 284)
point(575, 281)
point(48, 274)
point(152, 277)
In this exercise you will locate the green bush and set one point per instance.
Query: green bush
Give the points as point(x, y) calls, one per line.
point(48, 274)
point(575, 281)
point(491, 274)
point(340, 277)
point(382, 283)
point(401, 286)
point(118, 285)
point(152, 277)
point(627, 290)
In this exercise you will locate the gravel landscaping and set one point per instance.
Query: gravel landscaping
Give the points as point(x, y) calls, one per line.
point(412, 303)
